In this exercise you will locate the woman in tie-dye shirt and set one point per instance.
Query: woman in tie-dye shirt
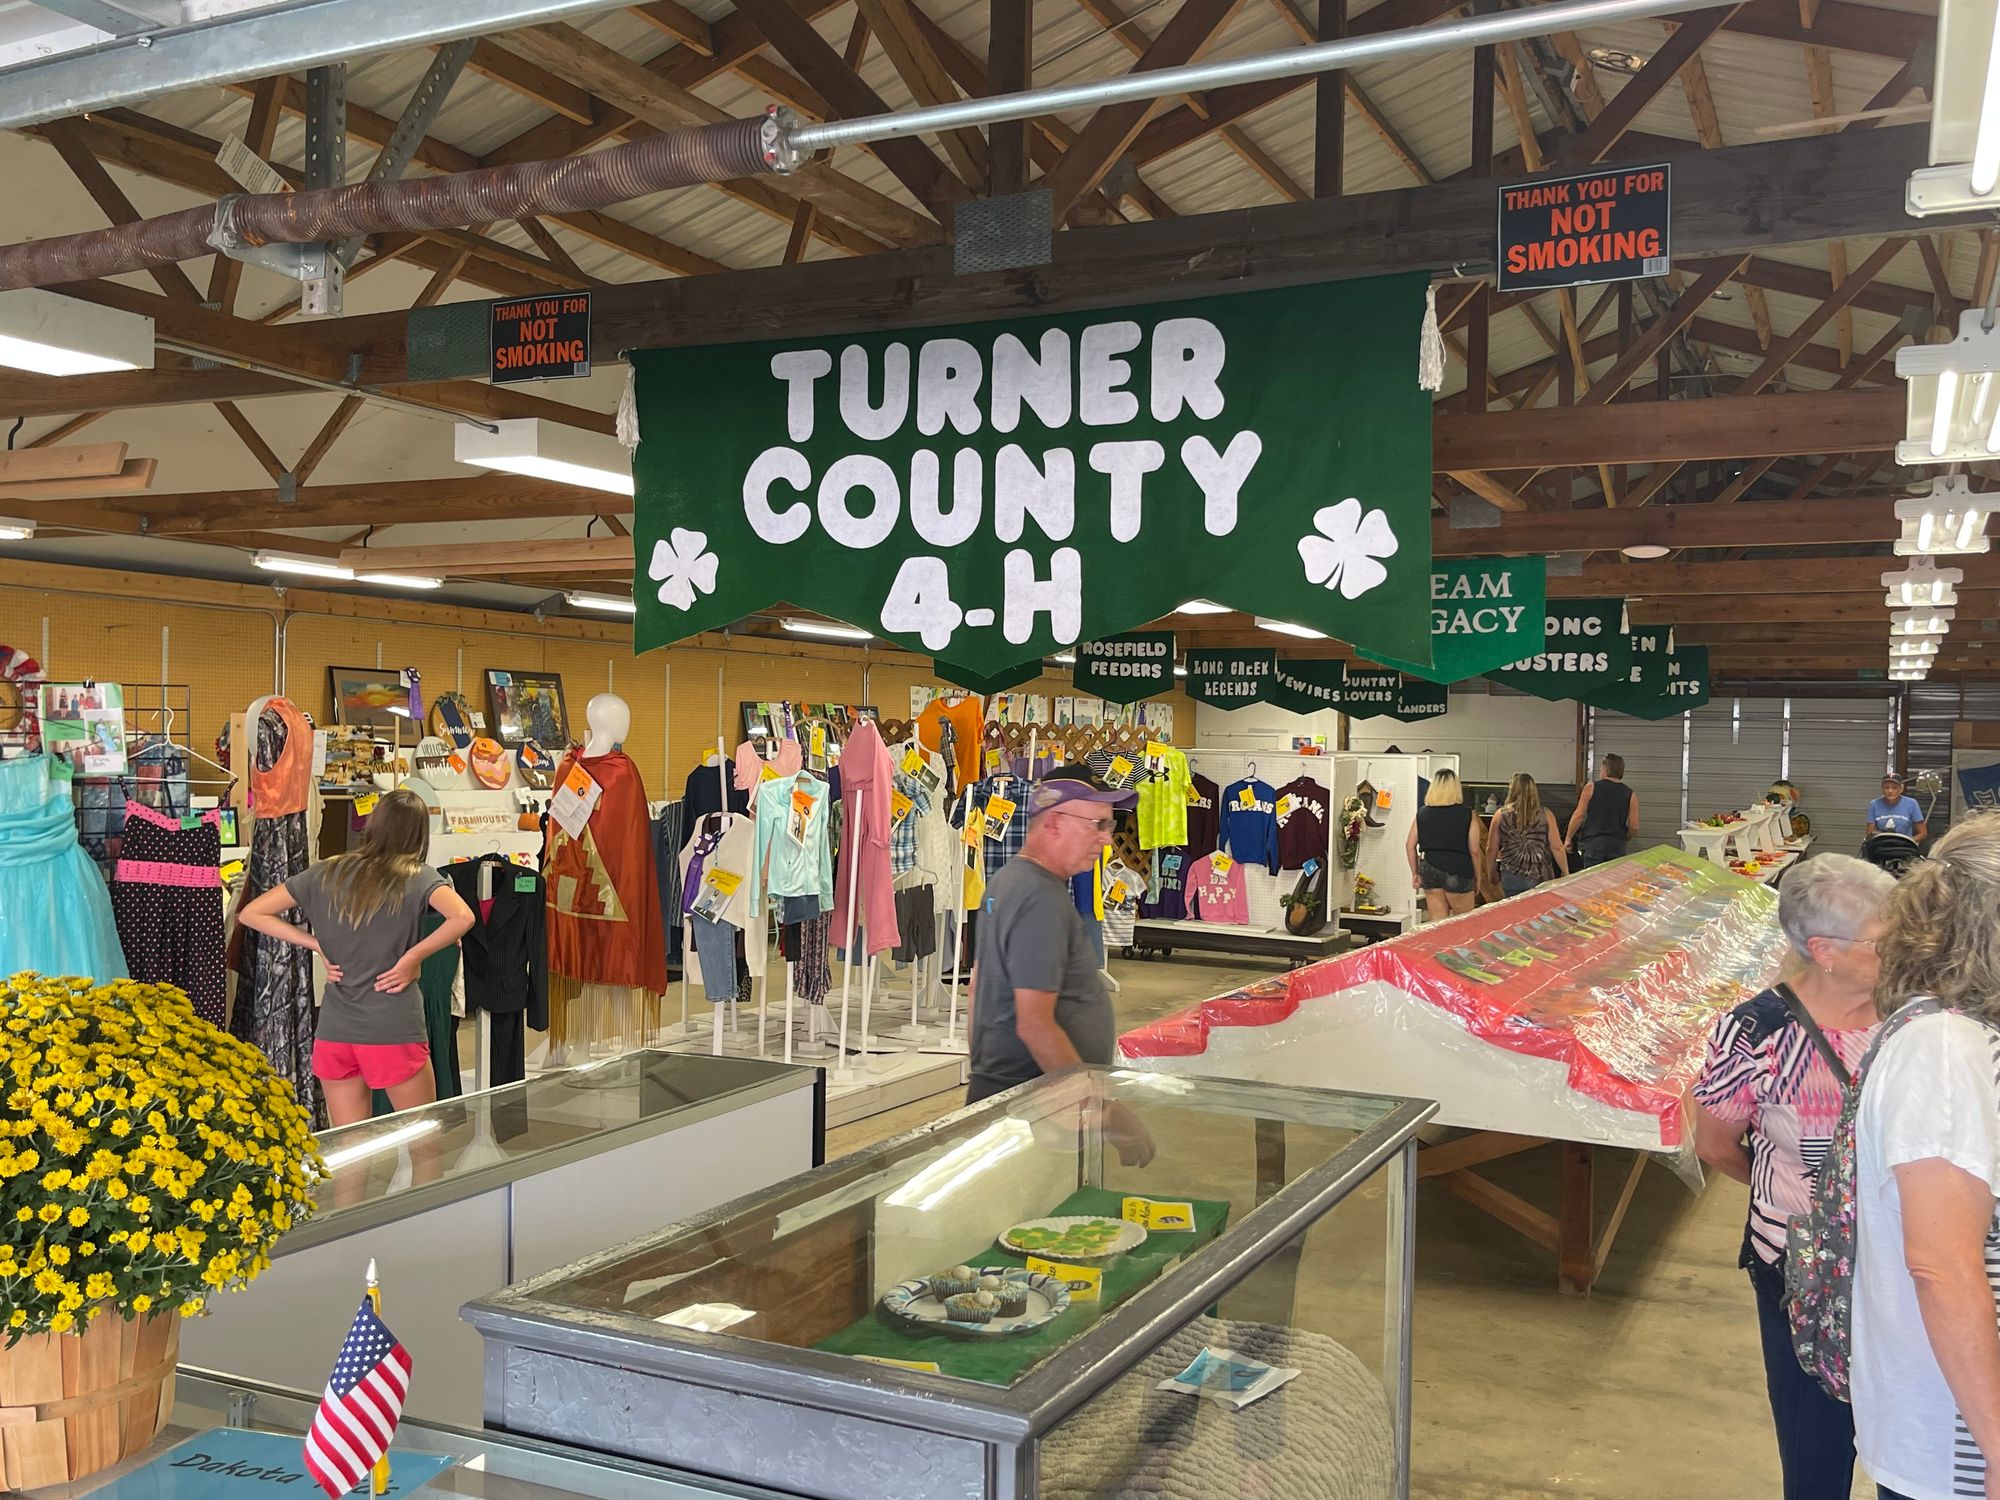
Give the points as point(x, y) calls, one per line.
point(1766, 1105)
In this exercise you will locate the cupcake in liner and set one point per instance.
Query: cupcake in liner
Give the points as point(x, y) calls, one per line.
point(1013, 1297)
point(972, 1307)
point(955, 1282)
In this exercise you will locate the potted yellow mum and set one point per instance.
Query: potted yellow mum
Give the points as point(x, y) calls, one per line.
point(148, 1161)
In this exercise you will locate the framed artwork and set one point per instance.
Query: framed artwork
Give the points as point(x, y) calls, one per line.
point(368, 697)
point(528, 706)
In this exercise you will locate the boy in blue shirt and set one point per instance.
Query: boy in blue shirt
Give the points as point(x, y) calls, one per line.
point(1892, 812)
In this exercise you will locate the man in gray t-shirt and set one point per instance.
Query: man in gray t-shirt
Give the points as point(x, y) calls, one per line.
point(1038, 1001)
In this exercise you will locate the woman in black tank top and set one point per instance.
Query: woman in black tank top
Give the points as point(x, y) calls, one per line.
point(1444, 848)
point(1605, 818)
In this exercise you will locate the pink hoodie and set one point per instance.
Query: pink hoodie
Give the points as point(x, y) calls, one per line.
point(865, 765)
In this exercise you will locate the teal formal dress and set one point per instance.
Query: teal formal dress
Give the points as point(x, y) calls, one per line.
point(55, 913)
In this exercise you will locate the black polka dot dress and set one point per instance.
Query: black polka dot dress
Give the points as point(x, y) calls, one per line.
point(166, 894)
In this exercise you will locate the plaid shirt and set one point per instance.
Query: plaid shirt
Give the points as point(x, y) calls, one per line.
point(903, 834)
point(1015, 790)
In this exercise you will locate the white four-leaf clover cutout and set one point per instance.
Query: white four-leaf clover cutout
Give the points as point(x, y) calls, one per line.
point(683, 566)
point(1343, 552)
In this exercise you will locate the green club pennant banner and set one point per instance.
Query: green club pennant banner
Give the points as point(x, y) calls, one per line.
point(1419, 699)
point(1485, 613)
point(984, 683)
point(1308, 685)
point(996, 492)
point(1651, 647)
point(1230, 678)
point(1367, 693)
point(1126, 668)
point(1681, 684)
point(1585, 650)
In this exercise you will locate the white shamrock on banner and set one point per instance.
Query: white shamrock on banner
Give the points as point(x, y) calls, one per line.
point(683, 566)
point(1344, 552)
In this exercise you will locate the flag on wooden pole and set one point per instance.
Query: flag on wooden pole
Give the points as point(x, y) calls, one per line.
point(363, 1401)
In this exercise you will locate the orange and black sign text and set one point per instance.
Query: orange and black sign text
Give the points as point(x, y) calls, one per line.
point(1608, 225)
point(541, 338)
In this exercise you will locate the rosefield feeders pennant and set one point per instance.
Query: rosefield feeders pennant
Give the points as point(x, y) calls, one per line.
point(356, 1421)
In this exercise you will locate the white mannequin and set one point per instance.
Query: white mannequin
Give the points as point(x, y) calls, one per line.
point(610, 718)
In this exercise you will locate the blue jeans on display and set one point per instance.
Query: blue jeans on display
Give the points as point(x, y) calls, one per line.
point(1815, 1432)
point(715, 951)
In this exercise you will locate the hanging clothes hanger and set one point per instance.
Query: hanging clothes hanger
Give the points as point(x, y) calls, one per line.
point(167, 742)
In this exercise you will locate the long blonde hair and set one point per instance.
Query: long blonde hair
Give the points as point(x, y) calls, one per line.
point(1941, 936)
point(1524, 801)
point(1445, 790)
point(394, 847)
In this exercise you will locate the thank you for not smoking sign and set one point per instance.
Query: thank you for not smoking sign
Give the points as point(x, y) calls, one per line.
point(541, 338)
point(1605, 225)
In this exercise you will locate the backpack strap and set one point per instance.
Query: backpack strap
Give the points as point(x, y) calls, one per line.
point(1803, 1017)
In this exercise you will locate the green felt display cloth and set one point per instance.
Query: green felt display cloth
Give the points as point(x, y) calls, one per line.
point(1002, 1361)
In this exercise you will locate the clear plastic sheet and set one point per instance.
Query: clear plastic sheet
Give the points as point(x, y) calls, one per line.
point(1614, 976)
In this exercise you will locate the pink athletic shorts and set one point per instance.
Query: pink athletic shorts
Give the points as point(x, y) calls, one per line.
point(380, 1065)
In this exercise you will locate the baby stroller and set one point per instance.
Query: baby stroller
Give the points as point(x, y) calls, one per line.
point(1894, 852)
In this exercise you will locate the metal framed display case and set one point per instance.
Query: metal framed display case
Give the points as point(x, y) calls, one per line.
point(751, 1343)
point(468, 1195)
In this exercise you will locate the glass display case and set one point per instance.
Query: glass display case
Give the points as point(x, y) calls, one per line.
point(464, 1196)
point(828, 1337)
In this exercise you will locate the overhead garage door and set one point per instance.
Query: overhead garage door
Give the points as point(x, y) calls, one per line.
point(1652, 749)
point(1735, 749)
point(1840, 747)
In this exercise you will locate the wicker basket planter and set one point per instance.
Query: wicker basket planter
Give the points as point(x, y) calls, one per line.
point(74, 1403)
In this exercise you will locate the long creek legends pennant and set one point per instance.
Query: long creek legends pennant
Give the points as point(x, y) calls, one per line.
point(1230, 678)
point(995, 492)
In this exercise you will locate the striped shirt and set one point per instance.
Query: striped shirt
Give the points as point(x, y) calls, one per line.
point(1763, 1073)
point(903, 831)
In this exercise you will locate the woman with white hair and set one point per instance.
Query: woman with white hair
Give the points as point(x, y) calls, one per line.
point(1765, 1107)
point(1926, 1359)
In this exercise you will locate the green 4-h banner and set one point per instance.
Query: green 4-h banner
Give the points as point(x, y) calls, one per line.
point(1681, 683)
point(997, 492)
point(1486, 613)
point(1585, 649)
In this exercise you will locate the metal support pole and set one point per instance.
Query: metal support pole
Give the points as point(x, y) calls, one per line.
point(322, 274)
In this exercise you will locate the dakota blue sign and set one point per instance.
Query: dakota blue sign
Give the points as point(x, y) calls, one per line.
point(228, 1463)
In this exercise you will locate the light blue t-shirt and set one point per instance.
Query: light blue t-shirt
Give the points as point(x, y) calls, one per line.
point(795, 868)
point(1900, 816)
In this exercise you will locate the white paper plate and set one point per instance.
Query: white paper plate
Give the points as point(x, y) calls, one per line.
point(1130, 1237)
point(911, 1302)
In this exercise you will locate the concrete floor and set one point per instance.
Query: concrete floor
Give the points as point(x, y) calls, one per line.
point(1650, 1387)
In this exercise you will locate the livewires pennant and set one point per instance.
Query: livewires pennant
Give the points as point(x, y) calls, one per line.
point(364, 1398)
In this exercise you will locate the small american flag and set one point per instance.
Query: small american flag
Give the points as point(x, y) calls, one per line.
point(364, 1398)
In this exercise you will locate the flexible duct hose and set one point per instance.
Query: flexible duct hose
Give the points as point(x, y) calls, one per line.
point(674, 159)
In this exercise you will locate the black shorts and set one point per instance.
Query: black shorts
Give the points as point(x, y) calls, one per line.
point(1435, 879)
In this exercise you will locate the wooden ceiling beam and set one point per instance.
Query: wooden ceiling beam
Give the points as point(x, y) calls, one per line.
point(1786, 607)
point(1708, 130)
point(225, 273)
point(894, 25)
point(82, 461)
point(1829, 575)
point(1642, 88)
point(409, 502)
point(134, 477)
point(540, 555)
point(1799, 523)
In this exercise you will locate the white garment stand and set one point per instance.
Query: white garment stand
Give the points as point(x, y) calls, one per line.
point(951, 1042)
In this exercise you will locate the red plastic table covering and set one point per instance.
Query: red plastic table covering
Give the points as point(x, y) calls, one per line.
point(1618, 973)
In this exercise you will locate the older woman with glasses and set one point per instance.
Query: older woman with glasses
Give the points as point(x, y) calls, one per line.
point(1766, 1105)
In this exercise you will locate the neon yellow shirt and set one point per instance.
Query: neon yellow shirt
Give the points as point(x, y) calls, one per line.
point(1163, 799)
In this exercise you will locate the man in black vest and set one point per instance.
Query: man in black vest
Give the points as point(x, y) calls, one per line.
point(1606, 816)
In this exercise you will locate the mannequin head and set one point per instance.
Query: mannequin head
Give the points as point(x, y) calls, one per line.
point(610, 718)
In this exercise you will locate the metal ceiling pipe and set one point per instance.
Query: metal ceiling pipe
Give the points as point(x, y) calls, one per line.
point(1293, 62)
point(674, 159)
point(288, 37)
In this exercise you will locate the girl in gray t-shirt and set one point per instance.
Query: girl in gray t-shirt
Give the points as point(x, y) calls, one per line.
point(365, 915)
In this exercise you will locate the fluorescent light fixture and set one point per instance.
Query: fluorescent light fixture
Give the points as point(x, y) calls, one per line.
point(1949, 521)
point(1921, 621)
point(1202, 607)
point(12, 530)
point(828, 629)
point(54, 335)
point(399, 580)
point(1923, 584)
point(610, 603)
point(1645, 550)
point(1906, 651)
point(547, 450)
point(1180, 671)
point(388, 1141)
point(1952, 414)
point(1283, 627)
point(1064, 658)
point(308, 567)
point(1964, 168)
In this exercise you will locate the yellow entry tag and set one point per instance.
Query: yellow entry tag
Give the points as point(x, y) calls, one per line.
point(929, 1367)
point(1246, 798)
point(975, 826)
point(1382, 798)
point(1120, 769)
point(363, 806)
point(1284, 808)
point(997, 815)
point(1153, 1215)
point(899, 806)
point(818, 746)
point(725, 881)
point(1220, 864)
point(768, 773)
point(992, 762)
point(913, 761)
point(1154, 749)
point(1085, 1283)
